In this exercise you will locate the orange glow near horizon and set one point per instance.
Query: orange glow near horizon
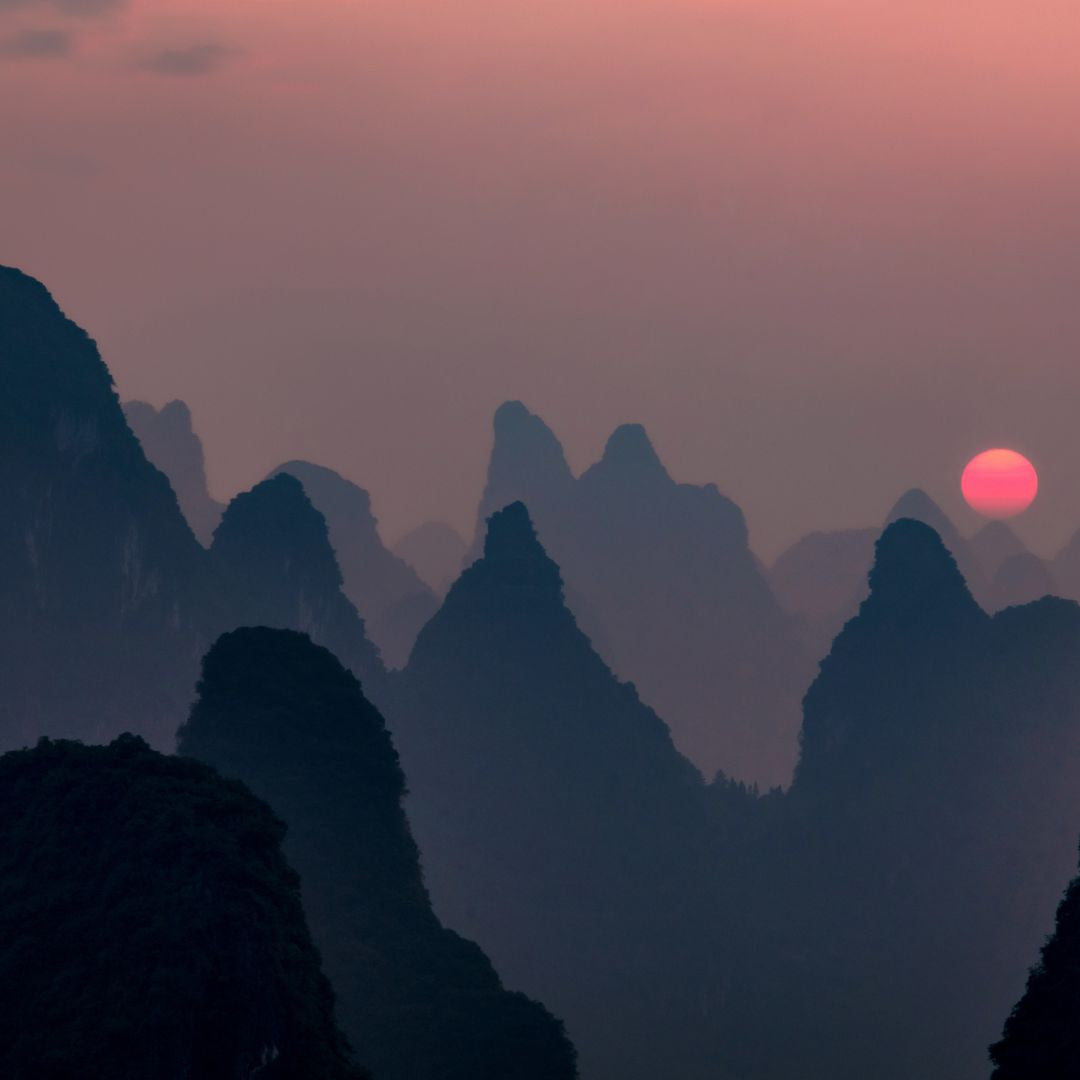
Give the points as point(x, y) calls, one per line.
point(999, 483)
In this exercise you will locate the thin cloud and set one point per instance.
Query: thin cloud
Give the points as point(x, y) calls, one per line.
point(37, 45)
point(192, 60)
point(72, 8)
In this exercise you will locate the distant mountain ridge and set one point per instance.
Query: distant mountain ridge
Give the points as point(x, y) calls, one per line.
point(662, 579)
point(558, 824)
point(416, 1000)
point(110, 601)
point(170, 443)
point(386, 590)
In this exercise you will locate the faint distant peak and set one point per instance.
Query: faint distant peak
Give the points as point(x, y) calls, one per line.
point(914, 572)
point(630, 452)
point(177, 412)
point(322, 483)
point(918, 506)
point(524, 443)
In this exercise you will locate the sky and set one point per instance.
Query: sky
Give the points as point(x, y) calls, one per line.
point(825, 250)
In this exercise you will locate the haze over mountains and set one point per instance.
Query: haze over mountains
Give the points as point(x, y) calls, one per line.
point(550, 848)
point(414, 998)
point(662, 579)
point(559, 826)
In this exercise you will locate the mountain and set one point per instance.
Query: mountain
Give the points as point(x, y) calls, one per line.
point(170, 443)
point(387, 592)
point(149, 926)
point(661, 578)
point(820, 581)
point(273, 549)
point(417, 1000)
point(1021, 579)
point(107, 599)
point(559, 826)
point(993, 544)
point(902, 888)
point(435, 551)
point(1065, 568)
point(1040, 1033)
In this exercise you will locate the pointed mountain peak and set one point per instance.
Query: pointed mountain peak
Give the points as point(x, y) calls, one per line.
point(48, 364)
point(918, 506)
point(525, 444)
point(514, 561)
point(510, 535)
point(178, 413)
point(276, 515)
point(325, 485)
point(629, 452)
point(993, 544)
point(914, 572)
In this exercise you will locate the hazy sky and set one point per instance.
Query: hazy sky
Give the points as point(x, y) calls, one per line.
point(823, 249)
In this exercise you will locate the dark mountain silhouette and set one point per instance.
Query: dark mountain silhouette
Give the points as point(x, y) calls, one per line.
point(387, 592)
point(661, 578)
point(273, 549)
point(1040, 1041)
point(527, 464)
point(821, 579)
point(107, 604)
point(916, 505)
point(919, 853)
point(150, 927)
point(170, 443)
point(435, 551)
point(283, 716)
point(558, 824)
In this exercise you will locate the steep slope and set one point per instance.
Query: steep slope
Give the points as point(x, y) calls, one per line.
point(1040, 1034)
point(993, 544)
point(106, 602)
point(273, 550)
point(820, 581)
point(435, 551)
point(661, 577)
point(170, 442)
point(416, 1000)
point(925, 837)
point(558, 824)
point(150, 927)
point(387, 592)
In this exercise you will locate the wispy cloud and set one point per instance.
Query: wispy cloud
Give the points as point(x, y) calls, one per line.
point(37, 45)
point(191, 60)
point(73, 8)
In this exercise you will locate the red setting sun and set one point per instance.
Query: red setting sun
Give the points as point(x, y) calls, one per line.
point(999, 483)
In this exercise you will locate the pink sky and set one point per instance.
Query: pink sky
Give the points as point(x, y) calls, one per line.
point(823, 249)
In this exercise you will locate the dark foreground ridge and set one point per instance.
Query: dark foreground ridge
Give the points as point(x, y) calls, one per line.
point(416, 999)
point(150, 926)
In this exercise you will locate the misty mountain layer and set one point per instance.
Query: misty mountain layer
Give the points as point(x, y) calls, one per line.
point(559, 826)
point(416, 999)
point(662, 579)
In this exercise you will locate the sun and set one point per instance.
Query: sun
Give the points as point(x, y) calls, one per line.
point(999, 483)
